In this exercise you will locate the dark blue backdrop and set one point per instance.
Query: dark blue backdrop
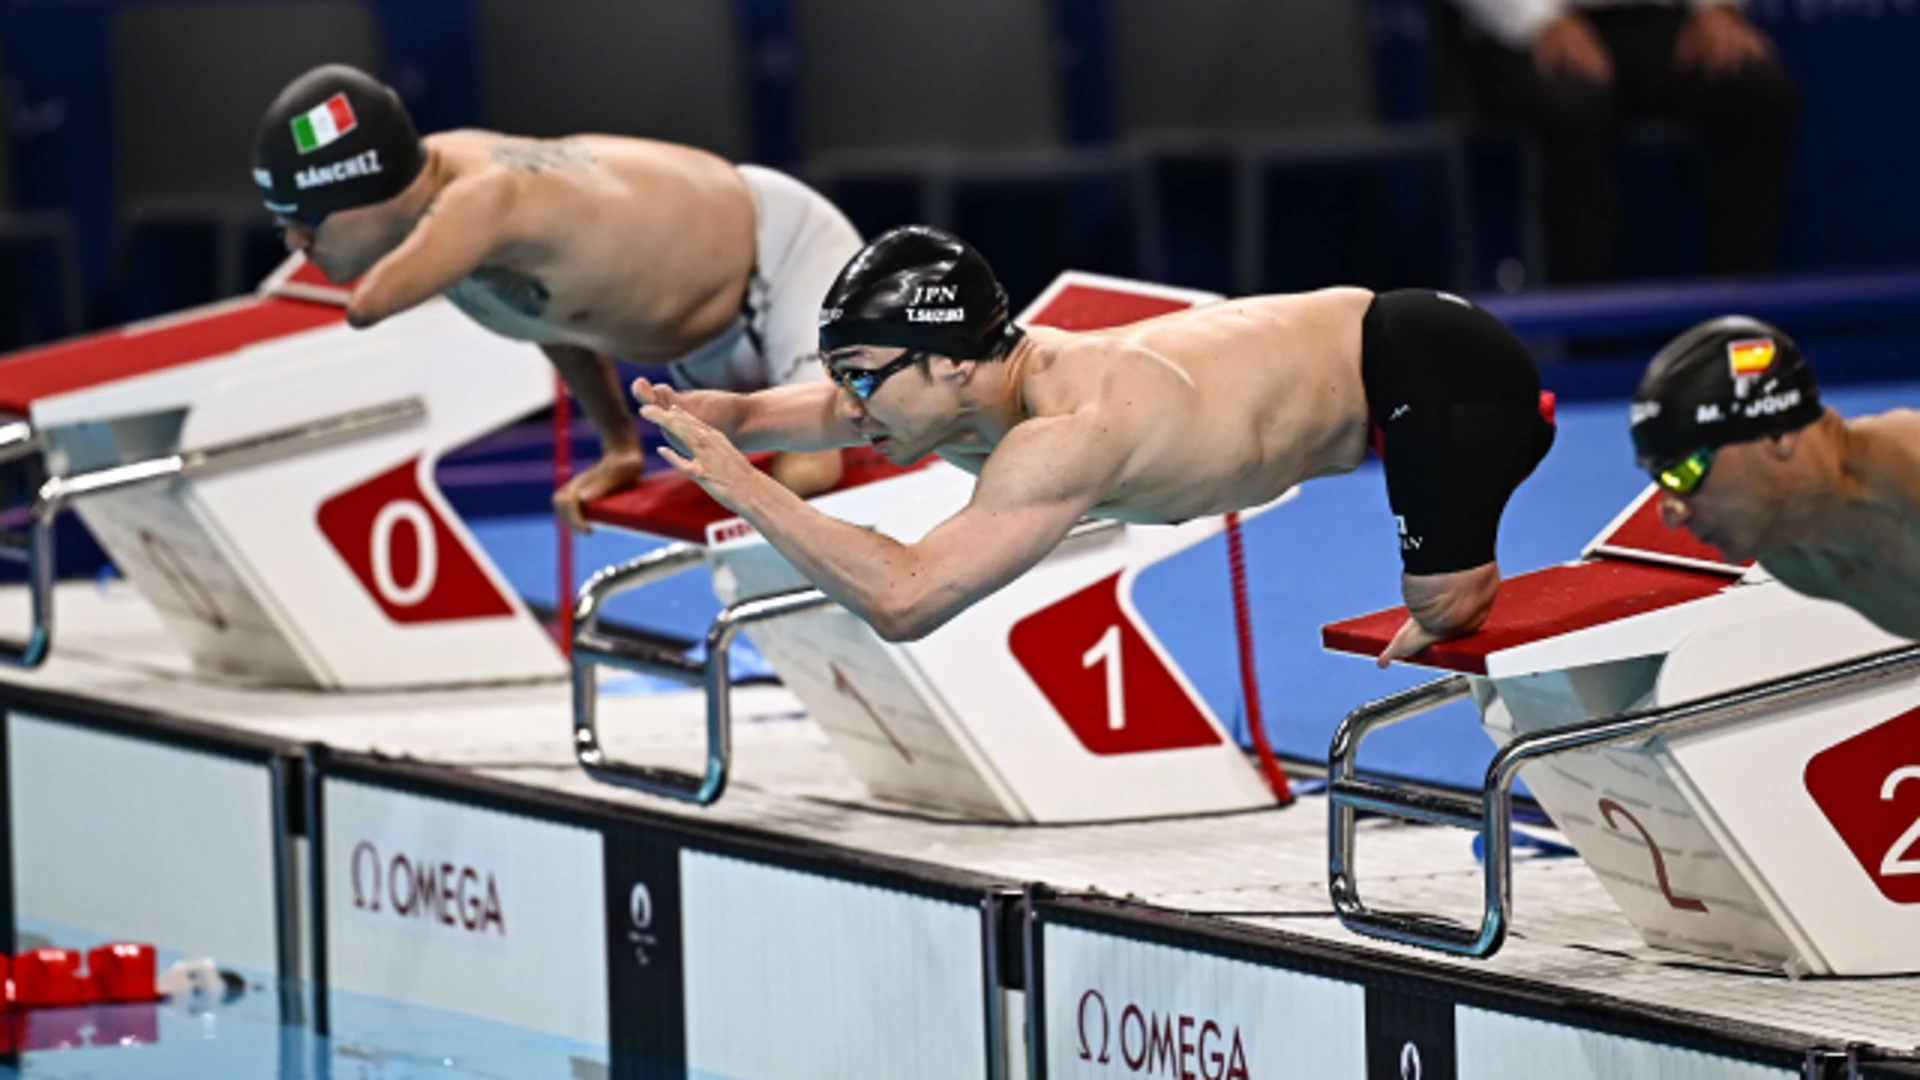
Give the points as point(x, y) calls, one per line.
point(1856, 171)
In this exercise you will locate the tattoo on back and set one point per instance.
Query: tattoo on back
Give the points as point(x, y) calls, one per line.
point(533, 156)
point(523, 294)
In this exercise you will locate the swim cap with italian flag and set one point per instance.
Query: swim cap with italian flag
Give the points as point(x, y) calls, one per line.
point(1728, 380)
point(334, 139)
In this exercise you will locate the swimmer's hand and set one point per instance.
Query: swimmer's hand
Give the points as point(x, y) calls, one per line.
point(1411, 638)
point(719, 409)
point(1442, 607)
point(612, 472)
point(704, 455)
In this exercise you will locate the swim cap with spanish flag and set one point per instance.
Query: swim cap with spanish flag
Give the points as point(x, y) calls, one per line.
point(1728, 380)
point(334, 139)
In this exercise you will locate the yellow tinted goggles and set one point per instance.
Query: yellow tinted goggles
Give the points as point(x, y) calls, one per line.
point(1682, 477)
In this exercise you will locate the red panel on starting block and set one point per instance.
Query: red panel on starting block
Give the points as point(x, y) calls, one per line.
point(1089, 307)
point(1533, 607)
point(669, 504)
point(1640, 534)
point(26, 377)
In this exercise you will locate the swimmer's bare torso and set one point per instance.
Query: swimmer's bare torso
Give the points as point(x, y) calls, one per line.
point(626, 247)
point(1867, 554)
point(1202, 411)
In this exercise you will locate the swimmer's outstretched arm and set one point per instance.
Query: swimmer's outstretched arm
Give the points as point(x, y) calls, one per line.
point(801, 417)
point(466, 224)
point(1038, 482)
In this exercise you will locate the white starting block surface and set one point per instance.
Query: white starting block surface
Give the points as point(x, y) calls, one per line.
point(1788, 838)
point(1572, 947)
point(1050, 701)
point(342, 567)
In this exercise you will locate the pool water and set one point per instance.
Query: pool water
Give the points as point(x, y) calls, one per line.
point(264, 1033)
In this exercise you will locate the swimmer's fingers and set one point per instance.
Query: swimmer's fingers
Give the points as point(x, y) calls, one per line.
point(648, 392)
point(687, 467)
point(687, 431)
point(1411, 638)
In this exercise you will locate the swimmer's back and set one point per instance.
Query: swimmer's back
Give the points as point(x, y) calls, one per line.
point(1253, 394)
point(632, 247)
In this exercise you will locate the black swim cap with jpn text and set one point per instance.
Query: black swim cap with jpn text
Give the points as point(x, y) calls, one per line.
point(918, 288)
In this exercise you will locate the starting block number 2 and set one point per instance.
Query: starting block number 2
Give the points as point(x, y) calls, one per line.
point(1878, 820)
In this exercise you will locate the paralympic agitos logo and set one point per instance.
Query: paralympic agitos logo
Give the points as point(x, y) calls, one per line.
point(418, 887)
point(1145, 1042)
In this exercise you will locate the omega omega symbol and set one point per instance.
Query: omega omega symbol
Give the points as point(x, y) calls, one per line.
point(1155, 1043)
point(1410, 1068)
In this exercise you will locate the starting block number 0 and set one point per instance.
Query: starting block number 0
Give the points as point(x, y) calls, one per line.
point(426, 562)
point(367, 526)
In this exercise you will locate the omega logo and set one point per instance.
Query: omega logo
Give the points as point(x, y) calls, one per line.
point(450, 893)
point(1148, 1043)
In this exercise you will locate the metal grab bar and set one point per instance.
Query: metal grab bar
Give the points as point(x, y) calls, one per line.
point(593, 650)
point(34, 547)
point(17, 440)
point(1492, 814)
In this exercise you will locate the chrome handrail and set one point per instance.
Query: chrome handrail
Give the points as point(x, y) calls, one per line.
point(34, 547)
point(17, 440)
point(593, 650)
point(1491, 815)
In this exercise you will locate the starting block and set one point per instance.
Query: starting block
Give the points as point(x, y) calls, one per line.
point(1737, 763)
point(1050, 701)
point(264, 475)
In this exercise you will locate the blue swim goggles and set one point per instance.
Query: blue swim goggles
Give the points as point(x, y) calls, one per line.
point(862, 383)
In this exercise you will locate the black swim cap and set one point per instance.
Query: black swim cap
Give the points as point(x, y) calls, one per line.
point(1728, 380)
point(918, 288)
point(334, 139)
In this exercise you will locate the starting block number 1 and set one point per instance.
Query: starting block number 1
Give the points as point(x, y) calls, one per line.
point(1097, 669)
point(1107, 651)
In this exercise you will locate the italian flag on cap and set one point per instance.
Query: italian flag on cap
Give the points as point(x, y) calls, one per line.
point(323, 123)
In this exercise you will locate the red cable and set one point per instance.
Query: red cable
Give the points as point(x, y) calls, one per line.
point(1249, 684)
point(563, 472)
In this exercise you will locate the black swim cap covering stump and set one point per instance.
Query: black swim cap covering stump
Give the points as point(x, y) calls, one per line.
point(334, 139)
point(1728, 380)
point(919, 288)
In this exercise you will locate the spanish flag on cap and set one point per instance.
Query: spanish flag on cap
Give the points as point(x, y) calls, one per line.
point(1750, 357)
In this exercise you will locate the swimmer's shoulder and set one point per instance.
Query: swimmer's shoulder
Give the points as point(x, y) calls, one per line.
point(1892, 458)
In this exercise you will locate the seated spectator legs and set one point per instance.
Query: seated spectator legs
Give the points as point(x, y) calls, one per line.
point(1575, 124)
point(1746, 116)
point(1574, 79)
